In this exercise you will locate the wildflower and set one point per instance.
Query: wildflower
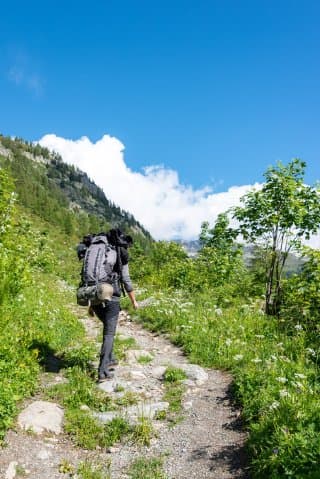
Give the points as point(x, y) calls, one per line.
point(284, 393)
point(285, 359)
point(297, 384)
point(274, 405)
point(238, 357)
point(298, 327)
point(273, 357)
point(256, 360)
point(260, 336)
point(300, 376)
point(311, 351)
point(218, 311)
point(275, 451)
point(228, 341)
point(282, 380)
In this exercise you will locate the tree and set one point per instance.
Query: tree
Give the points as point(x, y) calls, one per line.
point(277, 217)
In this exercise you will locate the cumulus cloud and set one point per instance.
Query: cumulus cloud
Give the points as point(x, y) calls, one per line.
point(167, 208)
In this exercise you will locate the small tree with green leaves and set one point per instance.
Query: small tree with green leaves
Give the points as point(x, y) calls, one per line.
point(277, 217)
point(220, 257)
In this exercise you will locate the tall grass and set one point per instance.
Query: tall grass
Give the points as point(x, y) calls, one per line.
point(275, 375)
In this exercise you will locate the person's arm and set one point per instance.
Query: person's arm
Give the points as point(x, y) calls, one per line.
point(133, 300)
point(125, 277)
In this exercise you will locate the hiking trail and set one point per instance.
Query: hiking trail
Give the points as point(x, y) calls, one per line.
point(203, 440)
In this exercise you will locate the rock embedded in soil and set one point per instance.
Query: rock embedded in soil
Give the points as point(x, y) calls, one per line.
point(133, 413)
point(195, 373)
point(11, 471)
point(42, 416)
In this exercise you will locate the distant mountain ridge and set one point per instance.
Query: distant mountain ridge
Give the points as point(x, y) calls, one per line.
point(293, 265)
point(65, 186)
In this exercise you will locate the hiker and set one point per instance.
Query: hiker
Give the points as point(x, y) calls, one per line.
point(108, 310)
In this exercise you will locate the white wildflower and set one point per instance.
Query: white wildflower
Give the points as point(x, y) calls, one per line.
point(228, 341)
point(297, 384)
point(260, 336)
point(285, 359)
point(300, 376)
point(311, 351)
point(284, 393)
point(273, 357)
point(282, 380)
point(218, 311)
point(256, 360)
point(298, 327)
point(238, 357)
point(274, 405)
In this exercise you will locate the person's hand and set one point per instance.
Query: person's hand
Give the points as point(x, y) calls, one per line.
point(135, 304)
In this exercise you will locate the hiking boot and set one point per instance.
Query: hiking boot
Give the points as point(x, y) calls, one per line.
point(113, 363)
point(107, 376)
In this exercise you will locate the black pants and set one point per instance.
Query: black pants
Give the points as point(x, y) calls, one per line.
point(108, 314)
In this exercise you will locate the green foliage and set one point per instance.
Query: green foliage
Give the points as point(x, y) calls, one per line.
point(142, 432)
point(173, 375)
point(63, 195)
point(301, 296)
point(144, 359)
point(33, 326)
point(279, 215)
point(122, 344)
point(90, 470)
point(80, 390)
point(84, 429)
point(274, 369)
point(147, 468)
point(168, 266)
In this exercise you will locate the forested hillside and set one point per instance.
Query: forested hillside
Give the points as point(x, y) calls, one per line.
point(253, 319)
point(60, 193)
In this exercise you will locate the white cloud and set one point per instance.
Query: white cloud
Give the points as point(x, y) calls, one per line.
point(167, 208)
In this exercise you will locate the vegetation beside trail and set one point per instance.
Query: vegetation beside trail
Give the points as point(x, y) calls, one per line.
point(215, 309)
point(256, 320)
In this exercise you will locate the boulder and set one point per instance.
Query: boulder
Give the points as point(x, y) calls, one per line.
point(42, 416)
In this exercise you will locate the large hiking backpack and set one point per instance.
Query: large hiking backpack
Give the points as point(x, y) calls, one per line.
point(98, 278)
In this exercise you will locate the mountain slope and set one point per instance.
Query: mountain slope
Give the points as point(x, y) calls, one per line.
point(60, 193)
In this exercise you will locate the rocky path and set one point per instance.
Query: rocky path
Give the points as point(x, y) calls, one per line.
point(202, 440)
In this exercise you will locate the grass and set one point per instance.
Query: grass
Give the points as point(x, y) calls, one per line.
point(80, 390)
point(147, 468)
point(90, 470)
point(89, 433)
point(144, 359)
point(174, 390)
point(35, 325)
point(143, 431)
point(122, 344)
point(276, 375)
point(174, 375)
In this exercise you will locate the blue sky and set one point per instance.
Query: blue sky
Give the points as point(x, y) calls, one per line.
point(215, 90)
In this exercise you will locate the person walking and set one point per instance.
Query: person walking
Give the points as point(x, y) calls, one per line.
point(108, 311)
